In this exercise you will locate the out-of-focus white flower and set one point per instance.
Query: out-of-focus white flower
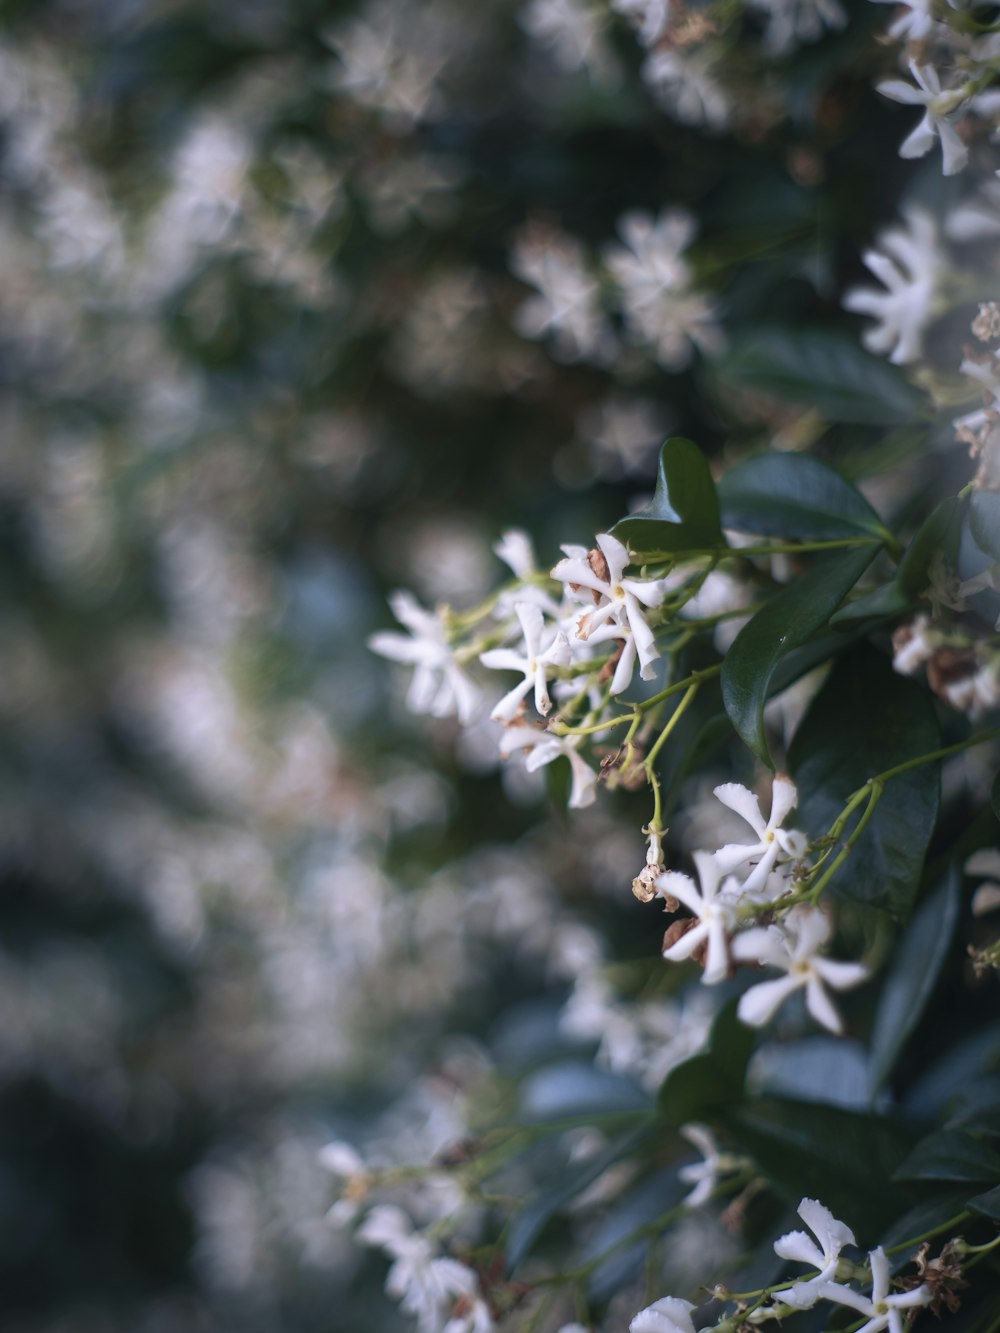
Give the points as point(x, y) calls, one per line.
point(774, 844)
point(977, 216)
point(685, 84)
point(439, 685)
point(381, 66)
point(704, 1175)
point(533, 663)
point(649, 261)
point(793, 21)
point(516, 551)
point(345, 1162)
point(650, 16)
point(572, 30)
point(914, 23)
point(568, 302)
point(793, 947)
point(941, 109)
point(822, 1253)
point(714, 908)
point(912, 646)
point(541, 748)
point(623, 434)
point(620, 614)
point(667, 1315)
point(880, 1309)
point(909, 265)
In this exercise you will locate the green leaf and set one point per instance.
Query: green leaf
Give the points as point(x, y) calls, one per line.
point(826, 1152)
point(826, 370)
point(651, 1197)
point(913, 975)
point(703, 1084)
point(979, 1109)
point(984, 521)
point(793, 495)
point(988, 1203)
point(867, 719)
point(939, 532)
point(785, 622)
point(995, 796)
point(951, 1154)
point(684, 513)
point(927, 1215)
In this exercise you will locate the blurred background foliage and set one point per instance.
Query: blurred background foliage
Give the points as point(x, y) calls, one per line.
point(258, 368)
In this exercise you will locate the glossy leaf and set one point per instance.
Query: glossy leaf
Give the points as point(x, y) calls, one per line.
point(844, 1158)
point(913, 974)
point(785, 622)
point(684, 512)
point(793, 495)
point(866, 719)
point(951, 1154)
point(572, 1089)
point(826, 370)
point(701, 1085)
point(984, 521)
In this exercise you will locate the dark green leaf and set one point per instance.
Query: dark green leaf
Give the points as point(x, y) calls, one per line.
point(844, 1158)
point(939, 532)
point(785, 622)
point(793, 495)
point(684, 513)
point(984, 521)
point(988, 1203)
point(913, 975)
point(701, 1085)
point(826, 370)
point(979, 1109)
point(649, 1199)
point(951, 1154)
point(528, 1225)
point(924, 1216)
point(573, 1089)
point(995, 796)
point(866, 719)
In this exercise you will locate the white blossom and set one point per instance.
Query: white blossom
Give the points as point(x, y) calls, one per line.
point(714, 908)
point(541, 748)
point(533, 663)
point(914, 23)
point(668, 1315)
point(568, 304)
point(908, 264)
point(940, 111)
point(823, 1253)
point(880, 1309)
point(619, 613)
point(439, 685)
point(774, 844)
point(684, 82)
point(793, 21)
point(346, 1163)
point(704, 1175)
point(572, 30)
point(793, 947)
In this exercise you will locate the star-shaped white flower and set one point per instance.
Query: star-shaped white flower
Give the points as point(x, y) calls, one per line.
point(346, 1163)
point(541, 748)
point(704, 1175)
point(667, 1315)
point(714, 908)
point(618, 613)
point(880, 1309)
point(774, 844)
point(439, 685)
point(823, 1253)
point(940, 110)
point(533, 663)
point(908, 265)
point(793, 947)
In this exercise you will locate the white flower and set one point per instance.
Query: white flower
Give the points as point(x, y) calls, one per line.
point(568, 302)
point(774, 843)
point(706, 1174)
point(908, 265)
point(794, 21)
point(651, 16)
point(542, 748)
point(940, 111)
point(667, 1315)
point(572, 30)
point(914, 23)
point(619, 614)
point(533, 664)
point(793, 947)
point(880, 1309)
point(684, 82)
point(439, 684)
point(796, 1245)
point(345, 1162)
point(714, 910)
